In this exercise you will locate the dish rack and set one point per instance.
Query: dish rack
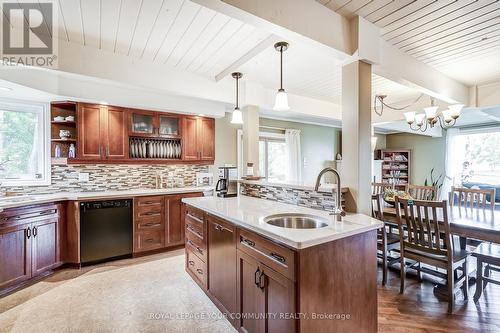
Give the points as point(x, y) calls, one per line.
point(170, 149)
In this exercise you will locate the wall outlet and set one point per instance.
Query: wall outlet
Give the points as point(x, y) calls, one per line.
point(83, 177)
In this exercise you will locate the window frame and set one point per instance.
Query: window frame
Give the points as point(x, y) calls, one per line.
point(43, 111)
point(269, 137)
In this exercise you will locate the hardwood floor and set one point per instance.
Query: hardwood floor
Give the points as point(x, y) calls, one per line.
point(121, 296)
point(422, 309)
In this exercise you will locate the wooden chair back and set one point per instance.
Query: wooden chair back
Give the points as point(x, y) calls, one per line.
point(473, 198)
point(426, 223)
point(377, 211)
point(379, 188)
point(419, 192)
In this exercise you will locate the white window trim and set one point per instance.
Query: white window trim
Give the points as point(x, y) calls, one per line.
point(44, 123)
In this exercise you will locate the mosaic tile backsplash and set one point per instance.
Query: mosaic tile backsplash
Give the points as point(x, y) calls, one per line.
point(305, 198)
point(108, 177)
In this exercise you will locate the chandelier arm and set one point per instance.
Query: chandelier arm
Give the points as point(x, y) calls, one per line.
point(401, 108)
point(375, 107)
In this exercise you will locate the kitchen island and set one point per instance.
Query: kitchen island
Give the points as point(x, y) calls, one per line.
point(273, 279)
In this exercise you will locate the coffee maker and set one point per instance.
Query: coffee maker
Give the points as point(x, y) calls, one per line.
point(227, 185)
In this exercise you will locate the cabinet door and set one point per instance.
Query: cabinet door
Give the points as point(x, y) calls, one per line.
point(222, 262)
point(174, 226)
point(89, 131)
point(279, 300)
point(250, 298)
point(169, 125)
point(190, 138)
point(143, 123)
point(15, 255)
point(44, 249)
point(115, 133)
point(206, 139)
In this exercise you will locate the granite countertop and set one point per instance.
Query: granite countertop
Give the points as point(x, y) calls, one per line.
point(32, 199)
point(248, 212)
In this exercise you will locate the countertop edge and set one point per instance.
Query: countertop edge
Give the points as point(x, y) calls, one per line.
point(280, 239)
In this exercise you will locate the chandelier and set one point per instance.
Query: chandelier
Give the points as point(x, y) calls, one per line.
point(422, 121)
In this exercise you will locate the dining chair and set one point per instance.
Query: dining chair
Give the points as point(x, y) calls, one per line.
point(420, 192)
point(488, 259)
point(379, 188)
point(428, 241)
point(473, 198)
point(386, 241)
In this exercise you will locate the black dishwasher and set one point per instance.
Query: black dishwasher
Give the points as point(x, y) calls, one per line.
point(105, 230)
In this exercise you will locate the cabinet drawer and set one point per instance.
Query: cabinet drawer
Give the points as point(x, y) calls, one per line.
point(149, 240)
point(149, 224)
point(273, 255)
point(196, 245)
point(195, 226)
point(149, 201)
point(197, 268)
point(17, 216)
point(145, 211)
point(194, 213)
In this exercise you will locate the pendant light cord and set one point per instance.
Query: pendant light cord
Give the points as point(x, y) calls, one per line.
point(237, 105)
point(281, 67)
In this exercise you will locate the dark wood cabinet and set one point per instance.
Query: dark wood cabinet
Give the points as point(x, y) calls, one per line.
point(206, 138)
point(29, 243)
point(222, 262)
point(174, 224)
point(15, 255)
point(44, 248)
point(114, 133)
point(199, 139)
point(262, 290)
point(89, 132)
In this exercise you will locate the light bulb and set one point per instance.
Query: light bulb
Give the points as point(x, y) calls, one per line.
point(281, 102)
point(410, 117)
point(237, 117)
point(419, 119)
point(447, 116)
point(430, 112)
point(374, 143)
point(455, 110)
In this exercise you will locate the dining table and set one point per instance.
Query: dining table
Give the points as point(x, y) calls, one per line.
point(467, 223)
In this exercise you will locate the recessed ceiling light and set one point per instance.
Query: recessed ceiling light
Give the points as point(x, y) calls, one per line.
point(5, 89)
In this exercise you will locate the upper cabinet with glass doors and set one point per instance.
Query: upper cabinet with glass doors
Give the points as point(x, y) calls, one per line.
point(154, 124)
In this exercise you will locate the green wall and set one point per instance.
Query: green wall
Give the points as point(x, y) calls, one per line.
point(427, 153)
point(319, 144)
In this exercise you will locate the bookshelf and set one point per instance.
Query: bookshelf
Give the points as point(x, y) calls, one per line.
point(396, 166)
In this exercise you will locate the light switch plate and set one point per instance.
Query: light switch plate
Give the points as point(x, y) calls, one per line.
point(83, 177)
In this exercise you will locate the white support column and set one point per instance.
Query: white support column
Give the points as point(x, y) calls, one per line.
point(356, 135)
point(251, 137)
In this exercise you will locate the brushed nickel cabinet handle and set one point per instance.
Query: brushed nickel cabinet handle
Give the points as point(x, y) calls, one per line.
point(191, 262)
point(200, 271)
point(150, 240)
point(35, 231)
point(248, 242)
point(277, 257)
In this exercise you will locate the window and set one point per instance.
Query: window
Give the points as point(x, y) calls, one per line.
point(480, 161)
point(24, 143)
point(272, 158)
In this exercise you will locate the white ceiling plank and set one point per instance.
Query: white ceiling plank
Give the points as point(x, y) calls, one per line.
point(73, 19)
point(148, 17)
point(91, 14)
point(110, 16)
point(268, 42)
point(388, 10)
point(442, 19)
point(166, 18)
point(350, 8)
point(454, 26)
point(479, 30)
point(232, 48)
point(372, 7)
point(458, 44)
point(205, 38)
point(63, 32)
point(336, 4)
point(130, 11)
point(225, 34)
point(472, 49)
point(191, 37)
point(413, 8)
point(183, 21)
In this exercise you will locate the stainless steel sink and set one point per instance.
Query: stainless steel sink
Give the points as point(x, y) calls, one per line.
point(296, 221)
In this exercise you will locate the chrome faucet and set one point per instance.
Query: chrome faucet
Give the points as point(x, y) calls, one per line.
point(338, 211)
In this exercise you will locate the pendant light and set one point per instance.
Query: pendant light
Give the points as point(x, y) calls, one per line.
point(237, 117)
point(281, 102)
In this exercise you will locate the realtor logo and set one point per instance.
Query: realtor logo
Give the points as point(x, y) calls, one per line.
point(28, 34)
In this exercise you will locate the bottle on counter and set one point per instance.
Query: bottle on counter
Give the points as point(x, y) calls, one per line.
point(72, 151)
